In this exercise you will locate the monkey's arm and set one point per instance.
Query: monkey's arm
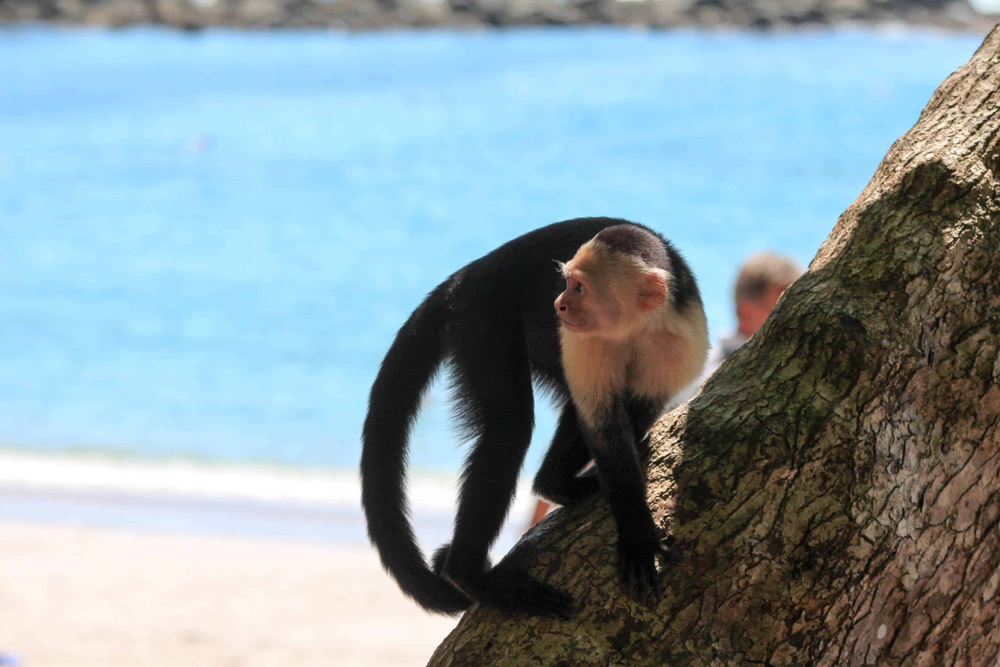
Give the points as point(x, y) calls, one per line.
point(613, 447)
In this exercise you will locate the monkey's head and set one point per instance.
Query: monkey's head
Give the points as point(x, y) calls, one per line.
point(612, 288)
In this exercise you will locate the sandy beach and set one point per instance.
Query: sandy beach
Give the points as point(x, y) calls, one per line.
point(122, 563)
point(76, 596)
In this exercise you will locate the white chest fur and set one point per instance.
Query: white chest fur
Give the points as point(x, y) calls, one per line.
point(656, 364)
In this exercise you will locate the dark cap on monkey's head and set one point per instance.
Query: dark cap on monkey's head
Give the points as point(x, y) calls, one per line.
point(636, 241)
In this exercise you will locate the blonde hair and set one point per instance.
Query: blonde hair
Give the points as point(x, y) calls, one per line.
point(762, 271)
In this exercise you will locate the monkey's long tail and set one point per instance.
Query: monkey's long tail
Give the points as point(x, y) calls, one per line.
point(406, 371)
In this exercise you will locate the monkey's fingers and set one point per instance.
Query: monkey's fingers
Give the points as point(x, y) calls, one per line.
point(669, 553)
point(630, 573)
point(626, 576)
point(655, 586)
point(671, 556)
point(552, 602)
point(650, 582)
point(641, 585)
point(640, 579)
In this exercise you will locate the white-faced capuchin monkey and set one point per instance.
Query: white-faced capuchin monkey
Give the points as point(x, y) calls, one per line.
point(627, 348)
point(628, 328)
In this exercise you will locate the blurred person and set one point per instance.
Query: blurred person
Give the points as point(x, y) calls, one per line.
point(762, 279)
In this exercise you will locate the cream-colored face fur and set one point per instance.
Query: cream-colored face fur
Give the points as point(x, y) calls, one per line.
point(608, 293)
point(584, 307)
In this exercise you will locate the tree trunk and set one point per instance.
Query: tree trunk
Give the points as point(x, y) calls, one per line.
point(834, 487)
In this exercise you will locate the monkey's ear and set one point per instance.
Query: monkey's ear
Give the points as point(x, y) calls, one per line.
point(653, 291)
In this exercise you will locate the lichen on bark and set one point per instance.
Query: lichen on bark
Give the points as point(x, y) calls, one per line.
point(834, 486)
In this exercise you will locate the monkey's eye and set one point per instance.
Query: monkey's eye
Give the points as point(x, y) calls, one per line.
point(578, 288)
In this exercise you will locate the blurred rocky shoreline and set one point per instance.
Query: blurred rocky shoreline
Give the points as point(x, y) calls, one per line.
point(381, 14)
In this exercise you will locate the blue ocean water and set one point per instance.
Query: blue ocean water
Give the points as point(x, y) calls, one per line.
point(208, 241)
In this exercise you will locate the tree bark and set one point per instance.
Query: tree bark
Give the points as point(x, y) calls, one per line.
point(833, 488)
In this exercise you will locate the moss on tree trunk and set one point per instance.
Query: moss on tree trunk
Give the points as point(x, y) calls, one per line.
point(834, 487)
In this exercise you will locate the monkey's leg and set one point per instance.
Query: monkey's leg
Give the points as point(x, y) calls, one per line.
point(493, 383)
point(558, 477)
point(624, 481)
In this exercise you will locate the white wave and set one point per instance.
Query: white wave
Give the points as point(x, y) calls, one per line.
point(232, 481)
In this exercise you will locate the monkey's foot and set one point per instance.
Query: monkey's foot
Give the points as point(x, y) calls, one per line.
point(637, 569)
point(440, 559)
point(513, 590)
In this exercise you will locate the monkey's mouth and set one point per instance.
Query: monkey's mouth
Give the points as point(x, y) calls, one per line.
point(571, 325)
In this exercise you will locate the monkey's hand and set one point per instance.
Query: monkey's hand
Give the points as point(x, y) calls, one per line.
point(637, 565)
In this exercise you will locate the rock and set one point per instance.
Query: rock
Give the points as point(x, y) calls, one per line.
point(378, 14)
point(118, 13)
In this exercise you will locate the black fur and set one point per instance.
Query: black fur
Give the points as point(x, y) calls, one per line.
point(637, 241)
point(616, 446)
point(495, 323)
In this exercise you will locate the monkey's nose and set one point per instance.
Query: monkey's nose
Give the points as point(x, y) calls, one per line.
point(562, 309)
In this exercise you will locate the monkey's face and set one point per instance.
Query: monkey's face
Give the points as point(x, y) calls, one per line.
point(584, 307)
point(608, 294)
